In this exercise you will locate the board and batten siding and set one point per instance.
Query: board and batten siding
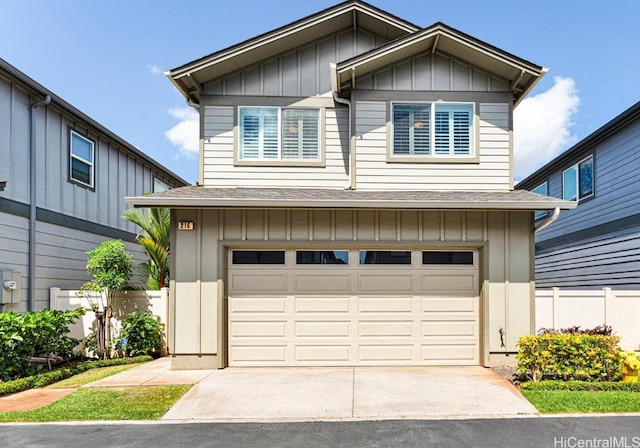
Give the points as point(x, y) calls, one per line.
point(219, 147)
point(197, 331)
point(432, 72)
point(374, 172)
point(117, 173)
point(61, 257)
point(301, 72)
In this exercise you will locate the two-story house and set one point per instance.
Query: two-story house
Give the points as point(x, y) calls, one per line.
point(355, 204)
point(63, 179)
point(596, 245)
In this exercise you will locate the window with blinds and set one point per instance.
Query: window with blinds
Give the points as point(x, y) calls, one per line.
point(439, 130)
point(271, 133)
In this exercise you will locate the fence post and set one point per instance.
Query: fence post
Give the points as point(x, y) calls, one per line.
point(555, 297)
point(608, 304)
point(53, 298)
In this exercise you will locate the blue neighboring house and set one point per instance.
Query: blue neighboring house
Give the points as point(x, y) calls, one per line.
point(597, 244)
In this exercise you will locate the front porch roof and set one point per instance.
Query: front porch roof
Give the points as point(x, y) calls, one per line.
point(298, 198)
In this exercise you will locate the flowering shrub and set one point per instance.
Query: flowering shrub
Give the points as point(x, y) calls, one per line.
point(570, 356)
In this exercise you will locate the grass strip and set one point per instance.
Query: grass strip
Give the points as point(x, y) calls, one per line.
point(592, 386)
point(47, 378)
point(126, 403)
point(90, 376)
point(562, 401)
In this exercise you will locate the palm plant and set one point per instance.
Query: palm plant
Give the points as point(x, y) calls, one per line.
point(155, 238)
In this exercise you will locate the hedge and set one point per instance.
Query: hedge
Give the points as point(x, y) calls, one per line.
point(44, 379)
point(581, 386)
point(582, 357)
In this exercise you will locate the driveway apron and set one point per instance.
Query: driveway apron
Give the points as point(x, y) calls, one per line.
point(349, 393)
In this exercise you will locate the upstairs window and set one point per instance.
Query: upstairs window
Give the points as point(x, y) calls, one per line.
point(81, 158)
point(433, 129)
point(279, 134)
point(544, 190)
point(577, 181)
point(160, 186)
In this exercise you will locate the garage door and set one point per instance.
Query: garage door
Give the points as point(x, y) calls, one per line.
point(353, 307)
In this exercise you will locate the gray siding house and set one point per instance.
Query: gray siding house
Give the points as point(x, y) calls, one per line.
point(64, 178)
point(597, 244)
point(355, 204)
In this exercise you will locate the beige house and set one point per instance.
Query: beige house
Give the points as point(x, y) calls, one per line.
point(355, 204)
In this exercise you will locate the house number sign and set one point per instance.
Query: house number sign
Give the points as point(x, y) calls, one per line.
point(185, 225)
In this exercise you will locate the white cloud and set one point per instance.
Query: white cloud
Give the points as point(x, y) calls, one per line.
point(154, 69)
point(542, 126)
point(185, 134)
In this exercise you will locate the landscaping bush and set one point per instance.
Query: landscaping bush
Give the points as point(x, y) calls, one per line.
point(23, 336)
point(569, 356)
point(141, 334)
point(44, 379)
point(602, 330)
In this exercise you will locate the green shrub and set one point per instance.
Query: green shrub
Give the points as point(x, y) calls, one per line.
point(41, 333)
point(569, 356)
point(582, 386)
point(44, 379)
point(141, 334)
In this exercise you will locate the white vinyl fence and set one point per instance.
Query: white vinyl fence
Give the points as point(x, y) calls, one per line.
point(156, 302)
point(560, 308)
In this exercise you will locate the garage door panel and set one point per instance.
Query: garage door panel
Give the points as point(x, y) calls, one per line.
point(378, 282)
point(382, 354)
point(321, 305)
point(450, 328)
point(323, 329)
point(257, 329)
point(257, 305)
point(374, 329)
point(450, 353)
point(449, 283)
point(323, 354)
point(257, 355)
point(258, 281)
point(450, 304)
point(384, 304)
point(308, 282)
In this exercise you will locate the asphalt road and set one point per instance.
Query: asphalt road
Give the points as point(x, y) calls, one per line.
point(569, 432)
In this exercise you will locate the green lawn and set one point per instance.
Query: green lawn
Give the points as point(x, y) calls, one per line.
point(561, 401)
point(90, 376)
point(127, 403)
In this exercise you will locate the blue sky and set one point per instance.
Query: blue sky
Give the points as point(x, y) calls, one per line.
point(106, 58)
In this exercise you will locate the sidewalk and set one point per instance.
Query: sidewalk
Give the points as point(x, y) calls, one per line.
point(154, 373)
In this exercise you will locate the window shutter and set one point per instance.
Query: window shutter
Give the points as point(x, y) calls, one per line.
point(442, 132)
point(453, 129)
point(461, 131)
point(401, 139)
point(269, 133)
point(411, 130)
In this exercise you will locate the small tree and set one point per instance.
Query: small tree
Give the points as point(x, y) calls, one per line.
point(111, 266)
point(155, 237)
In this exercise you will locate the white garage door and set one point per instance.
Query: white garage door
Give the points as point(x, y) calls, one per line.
point(353, 307)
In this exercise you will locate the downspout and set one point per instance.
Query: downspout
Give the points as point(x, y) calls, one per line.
point(32, 203)
point(337, 99)
point(549, 220)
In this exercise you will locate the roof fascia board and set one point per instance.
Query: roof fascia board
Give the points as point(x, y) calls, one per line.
point(289, 29)
point(584, 145)
point(32, 85)
point(146, 201)
point(427, 33)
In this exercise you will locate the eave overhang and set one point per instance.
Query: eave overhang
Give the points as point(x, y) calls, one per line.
point(522, 75)
point(285, 198)
point(189, 78)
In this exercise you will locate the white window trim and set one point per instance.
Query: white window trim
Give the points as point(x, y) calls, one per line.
point(82, 159)
point(279, 160)
point(432, 134)
point(577, 168)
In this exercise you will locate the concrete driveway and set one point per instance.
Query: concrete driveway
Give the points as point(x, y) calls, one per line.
point(347, 393)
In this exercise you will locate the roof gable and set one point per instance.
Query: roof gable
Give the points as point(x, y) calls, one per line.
point(521, 74)
point(190, 77)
